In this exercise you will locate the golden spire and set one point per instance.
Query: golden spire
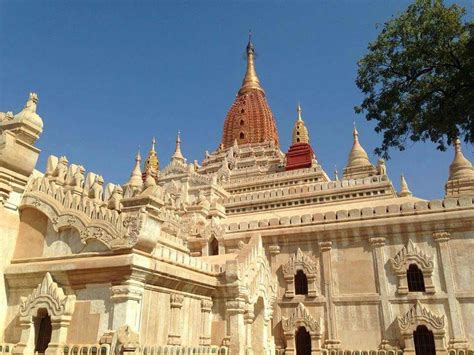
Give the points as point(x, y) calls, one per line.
point(152, 163)
point(460, 168)
point(300, 132)
point(177, 152)
point(250, 81)
point(404, 190)
point(298, 109)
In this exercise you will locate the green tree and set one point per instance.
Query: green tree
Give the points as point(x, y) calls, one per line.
point(418, 77)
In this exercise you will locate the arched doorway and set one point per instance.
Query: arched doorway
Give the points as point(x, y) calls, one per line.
point(424, 341)
point(303, 342)
point(43, 330)
point(213, 247)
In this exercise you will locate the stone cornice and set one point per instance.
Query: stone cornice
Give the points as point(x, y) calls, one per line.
point(400, 213)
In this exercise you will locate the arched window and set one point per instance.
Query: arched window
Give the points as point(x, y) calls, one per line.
point(297, 140)
point(301, 283)
point(43, 330)
point(213, 247)
point(415, 279)
point(242, 135)
point(303, 342)
point(424, 341)
point(242, 122)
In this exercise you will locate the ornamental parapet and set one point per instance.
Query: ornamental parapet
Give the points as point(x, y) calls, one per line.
point(356, 214)
point(307, 193)
point(71, 199)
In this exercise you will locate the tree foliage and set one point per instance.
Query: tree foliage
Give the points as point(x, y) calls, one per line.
point(418, 77)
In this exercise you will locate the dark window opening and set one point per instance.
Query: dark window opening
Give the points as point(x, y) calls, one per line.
point(297, 133)
point(241, 122)
point(213, 247)
point(301, 283)
point(415, 279)
point(43, 331)
point(303, 342)
point(242, 111)
point(424, 341)
point(297, 140)
point(242, 135)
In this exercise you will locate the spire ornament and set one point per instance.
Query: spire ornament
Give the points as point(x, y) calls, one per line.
point(404, 191)
point(152, 163)
point(250, 81)
point(178, 156)
point(460, 168)
point(358, 163)
point(136, 175)
point(461, 174)
point(300, 132)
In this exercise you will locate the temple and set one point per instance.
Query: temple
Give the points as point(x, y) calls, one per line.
point(250, 251)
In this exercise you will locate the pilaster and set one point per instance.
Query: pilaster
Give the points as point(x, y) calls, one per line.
point(457, 337)
point(127, 304)
point(174, 335)
point(325, 247)
point(235, 312)
point(378, 253)
point(206, 308)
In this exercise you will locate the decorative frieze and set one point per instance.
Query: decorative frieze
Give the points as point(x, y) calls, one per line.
point(441, 236)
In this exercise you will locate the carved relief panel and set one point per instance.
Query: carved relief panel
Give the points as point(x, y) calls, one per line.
point(303, 263)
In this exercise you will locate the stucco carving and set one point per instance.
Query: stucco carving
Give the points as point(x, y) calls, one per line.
point(411, 254)
point(300, 261)
point(93, 220)
point(301, 317)
point(420, 315)
point(306, 263)
point(50, 296)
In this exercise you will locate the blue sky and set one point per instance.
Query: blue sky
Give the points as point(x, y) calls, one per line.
point(110, 75)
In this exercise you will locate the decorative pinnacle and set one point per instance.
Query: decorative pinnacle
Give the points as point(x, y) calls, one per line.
point(250, 47)
point(404, 190)
point(298, 109)
point(250, 81)
point(457, 145)
point(138, 157)
point(153, 142)
point(355, 133)
point(177, 152)
point(336, 174)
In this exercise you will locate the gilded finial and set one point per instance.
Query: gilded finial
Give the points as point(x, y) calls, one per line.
point(457, 145)
point(336, 174)
point(250, 81)
point(152, 163)
point(298, 109)
point(355, 133)
point(300, 132)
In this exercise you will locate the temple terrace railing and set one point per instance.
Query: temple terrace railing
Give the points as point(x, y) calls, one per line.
point(182, 350)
